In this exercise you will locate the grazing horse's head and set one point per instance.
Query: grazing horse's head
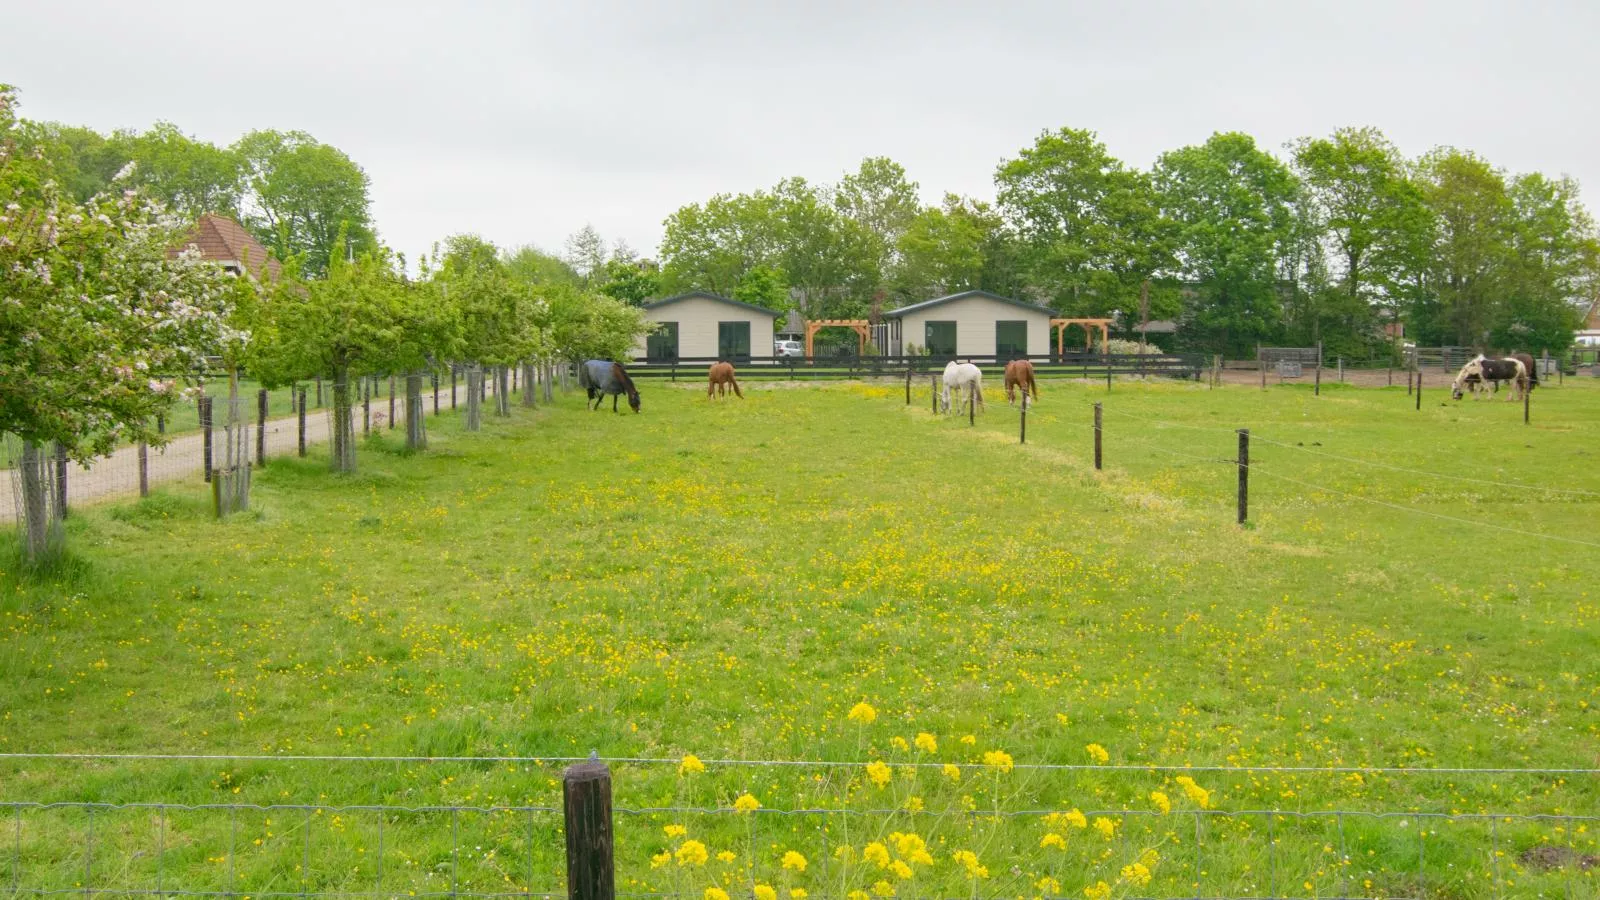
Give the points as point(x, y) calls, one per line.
point(1472, 371)
point(633, 398)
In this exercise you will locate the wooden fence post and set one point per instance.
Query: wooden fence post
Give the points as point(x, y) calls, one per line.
point(1527, 399)
point(1023, 438)
point(908, 384)
point(391, 402)
point(1244, 475)
point(586, 799)
point(366, 406)
point(1097, 437)
point(972, 404)
point(261, 427)
point(61, 480)
point(1108, 374)
point(452, 385)
point(435, 377)
point(300, 421)
point(1261, 363)
point(1419, 388)
point(204, 408)
point(319, 392)
point(144, 469)
point(1341, 370)
point(933, 392)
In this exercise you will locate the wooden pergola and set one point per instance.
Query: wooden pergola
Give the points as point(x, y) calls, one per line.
point(861, 327)
point(1060, 325)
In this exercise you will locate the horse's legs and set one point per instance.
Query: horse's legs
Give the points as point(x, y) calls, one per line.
point(614, 402)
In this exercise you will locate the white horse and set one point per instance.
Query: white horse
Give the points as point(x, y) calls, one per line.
point(963, 377)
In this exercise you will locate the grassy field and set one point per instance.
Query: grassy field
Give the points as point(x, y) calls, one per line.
point(731, 579)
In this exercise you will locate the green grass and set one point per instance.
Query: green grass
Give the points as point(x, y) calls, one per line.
point(729, 579)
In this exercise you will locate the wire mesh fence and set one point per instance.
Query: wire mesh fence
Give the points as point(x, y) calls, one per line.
point(764, 829)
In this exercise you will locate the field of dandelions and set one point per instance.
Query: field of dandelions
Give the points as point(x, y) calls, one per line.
point(981, 654)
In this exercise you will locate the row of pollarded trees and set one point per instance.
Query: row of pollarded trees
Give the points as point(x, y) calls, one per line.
point(102, 329)
point(469, 307)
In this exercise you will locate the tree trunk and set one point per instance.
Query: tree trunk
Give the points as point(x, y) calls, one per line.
point(233, 489)
point(502, 391)
point(474, 397)
point(344, 423)
point(42, 535)
point(530, 385)
point(416, 434)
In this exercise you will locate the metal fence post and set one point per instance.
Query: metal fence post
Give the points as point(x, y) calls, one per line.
point(586, 796)
point(1097, 433)
point(1244, 475)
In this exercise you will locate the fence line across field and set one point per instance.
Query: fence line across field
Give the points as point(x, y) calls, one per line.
point(802, 763)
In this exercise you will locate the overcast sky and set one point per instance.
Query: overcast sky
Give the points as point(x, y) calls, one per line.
point(524, 121)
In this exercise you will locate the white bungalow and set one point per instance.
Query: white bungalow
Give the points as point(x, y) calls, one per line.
point(971, 324)
point(701, 326)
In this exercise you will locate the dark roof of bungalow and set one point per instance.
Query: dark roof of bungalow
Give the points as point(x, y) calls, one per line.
point(966, 295)
point(706, 295)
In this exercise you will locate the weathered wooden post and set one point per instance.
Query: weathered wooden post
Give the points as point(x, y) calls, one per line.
point(391, 402)
point(300, 423)
point(319, 392)
point(452, 385)
point(933, 392)
point(435, 377)
point(144, 469)
point(1419, 388)
point(908, 384)
point(1097, 431)
point(1341, 370)
point(204, 408)
point(972, 404)
point(261, 427)
point(61, 479)
point(1261, 363)
point(1244, 474)
point(1023, 438)
point(1527, 399)
point(586, 799)
point(366, 406)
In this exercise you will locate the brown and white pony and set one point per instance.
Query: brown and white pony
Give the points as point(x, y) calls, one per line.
point(1480, 372)
point(721, 378)
point(1019, 373)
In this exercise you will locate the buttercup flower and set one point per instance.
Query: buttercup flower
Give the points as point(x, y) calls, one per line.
point(692, 853)
point(674, 831)
point(999, 759)
point(1161, 801)
point(1097, 753)
point(716, 893)
point(1097, 891)
point(862, 713)
point(1106, 827)
point(765, 892)
point(746, 803)
point(926, 742)
point(969, 860)
point(793, 860)
point(690, 764)
point(879, 773)
point(1053, 840)
point(952, 772)
point(876, 853)
point(727, 856)
point(1136, 874)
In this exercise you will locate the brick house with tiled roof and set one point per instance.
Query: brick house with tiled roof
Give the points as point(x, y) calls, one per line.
point(1589, 330)
point(225, 241)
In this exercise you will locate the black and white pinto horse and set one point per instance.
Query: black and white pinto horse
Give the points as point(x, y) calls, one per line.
point(1480, 372)
point(600, 377)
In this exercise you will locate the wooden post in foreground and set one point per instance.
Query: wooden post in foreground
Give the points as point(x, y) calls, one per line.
point(1097, 437)
point(1419, 388)
point(1023, 439)
point(586, 799)
point(1244, 475)
point(144, 469)
point(204, 405)
point(933, 392)
point(261, 427)
point(908, 384)
point(972, 404)
point(1527, 395)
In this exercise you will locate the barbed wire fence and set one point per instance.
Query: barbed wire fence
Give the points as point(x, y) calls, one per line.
point(682, 827)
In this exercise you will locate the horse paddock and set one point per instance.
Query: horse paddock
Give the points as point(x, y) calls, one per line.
point(872, 621)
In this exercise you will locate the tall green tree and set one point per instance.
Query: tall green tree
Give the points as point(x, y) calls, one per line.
point(82, 161)
point(1552, 263)
point(629, 281)
point(302, 196)
point(1471, 215)
point(882, 203)
point(941, 251)
point(188, 176)
point(534, 266)
point(1234, 208)
point(586, 254)
point(711, 246)
point(827, 257)
point(765, 286)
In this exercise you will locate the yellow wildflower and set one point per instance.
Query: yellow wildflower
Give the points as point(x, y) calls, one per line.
point(1075, 819)
point(1196, 794)
point(862, 713)
point(999, 759)
point(952, 772)
point(879, 773)
point(876, 853)
point(858, 895)
point(1161, 801)
point(674, 831)
point(727, 856)
point(690, 764)
point(899, 743)
point(1149, 858)
point(912, 847)
point(900, 869)
point(969, 860)
point(1053, 840)
point(969, 739)
point(797, 894)
point(1136, 874)
point(716, 893)
point(883, 889)
point(927, 743)
point(1048, 886)
point(1097, 753)
point(1106, 827)
point(692, 853)
point(660, 859)
point(765, 892)
point(1097, 891)
point(793, 860)
point(746, 803)
point(843, 853)
point(914, 804)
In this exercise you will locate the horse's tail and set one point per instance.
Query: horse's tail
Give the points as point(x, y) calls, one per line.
point(735, 382)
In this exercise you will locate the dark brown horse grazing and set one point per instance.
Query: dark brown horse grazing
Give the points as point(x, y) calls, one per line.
point(1019, 373)
point(721, 379)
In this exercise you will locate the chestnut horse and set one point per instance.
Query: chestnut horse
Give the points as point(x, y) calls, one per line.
point(721, 379)
point(1019, 373)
